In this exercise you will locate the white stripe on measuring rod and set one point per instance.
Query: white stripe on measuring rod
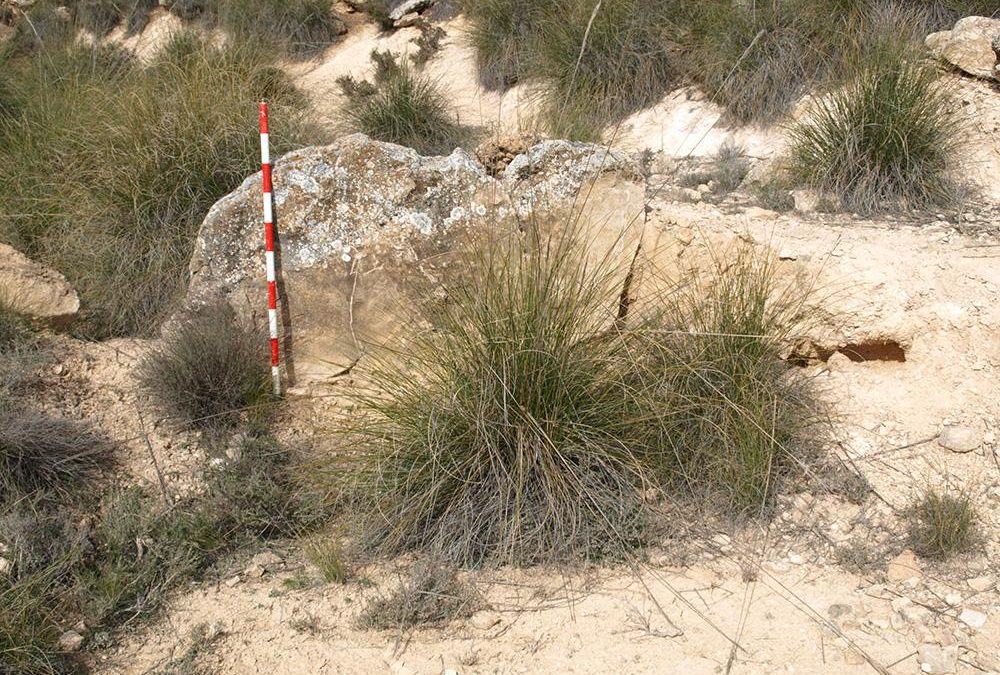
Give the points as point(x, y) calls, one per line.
point(269, 262)
point(272, 322)
point(268, 208)
point(265, 149)
point(276, 379)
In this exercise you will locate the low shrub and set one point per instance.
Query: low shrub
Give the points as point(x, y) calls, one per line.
point(433, 596)
point(210, 371)
point(39, 451)
point(402, 106)
point(886, 141)
point(522, 429)
point(943, 524)
point(163, 142)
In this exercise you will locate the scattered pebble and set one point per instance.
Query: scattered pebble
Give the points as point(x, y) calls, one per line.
point(70, 641)
point(904, 566)
point(960, 439)
point(936, 659)
point(972, 618)
point(980, 584)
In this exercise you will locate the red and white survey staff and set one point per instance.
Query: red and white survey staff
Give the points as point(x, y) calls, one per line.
point(272, 285)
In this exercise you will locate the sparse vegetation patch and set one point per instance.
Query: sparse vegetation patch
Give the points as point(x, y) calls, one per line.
point(404, 106)
point(943, 523)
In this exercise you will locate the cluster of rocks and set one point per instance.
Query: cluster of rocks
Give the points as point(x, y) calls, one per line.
point(972, 46)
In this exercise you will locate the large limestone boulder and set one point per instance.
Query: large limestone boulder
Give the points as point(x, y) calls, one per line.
point(970, 46)
point(30, 288)
point(363, 224)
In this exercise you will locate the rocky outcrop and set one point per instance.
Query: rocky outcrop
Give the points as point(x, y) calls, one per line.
point(363, 223)
point(30, 288)
point(972, 46)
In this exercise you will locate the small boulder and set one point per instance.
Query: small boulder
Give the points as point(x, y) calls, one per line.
point(969, 46)
point(960, 438)
point(981, 584)
point(30, 288)
point(408, 7)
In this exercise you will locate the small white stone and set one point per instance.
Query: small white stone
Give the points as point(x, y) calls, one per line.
point(953, 599)
point(960, 438)
point(796, 559)
point(972, 618)
point(935, 659)
point(980, 584)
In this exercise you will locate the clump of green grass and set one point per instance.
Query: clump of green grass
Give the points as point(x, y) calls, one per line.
point(886, 141)
point(433, 596)
point(299, 27)
point(209, 371)
point(163, 141)
point(503, 34)
point(402, 106)
point(528, 425)
point(330, 559)
point(602, 63)
point(943, 524)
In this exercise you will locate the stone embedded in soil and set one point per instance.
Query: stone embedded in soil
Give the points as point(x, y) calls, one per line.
point(904, 566)
point(960, 438)
point(70, 641)
point(35, 290)
point(980, 584)
point(972, 618)
point(485, 620)
point(936, 659)
point(838, 610)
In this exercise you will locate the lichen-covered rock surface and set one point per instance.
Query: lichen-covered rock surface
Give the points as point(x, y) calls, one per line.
point(360, 222)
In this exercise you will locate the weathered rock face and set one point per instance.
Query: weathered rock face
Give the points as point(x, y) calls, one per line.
point(361, 222)
point(969, 46)
point(30, 288)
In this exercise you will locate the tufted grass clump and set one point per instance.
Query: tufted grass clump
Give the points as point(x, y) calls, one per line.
point(402, 106)
point(503, 34)
point(300, 28)
point(943, 524)
point(40, 451)
point(210, 371)
point(886, 141)
point(163, 141)
point(531, 424)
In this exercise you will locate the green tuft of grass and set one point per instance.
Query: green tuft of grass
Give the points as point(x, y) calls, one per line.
point(162, 141)
point(433, 596)
point(528, 425)
point(943, 524)
point(298, 27)
point(503, 34)
point(402, 106)
point(330, 559)
point(886, 141)
point(210, 371)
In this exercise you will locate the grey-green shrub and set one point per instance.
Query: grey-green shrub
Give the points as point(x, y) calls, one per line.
point(210, 371)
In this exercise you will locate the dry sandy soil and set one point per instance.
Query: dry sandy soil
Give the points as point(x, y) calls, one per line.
point(753, 600)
